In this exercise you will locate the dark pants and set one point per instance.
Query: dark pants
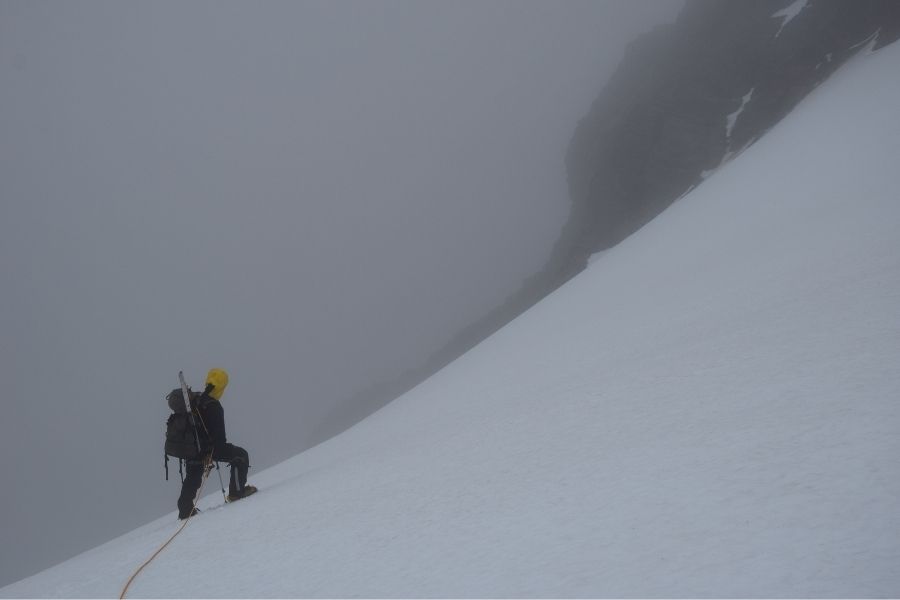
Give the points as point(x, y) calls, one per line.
point(236, 456)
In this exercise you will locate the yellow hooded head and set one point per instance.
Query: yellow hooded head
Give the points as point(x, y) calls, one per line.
point(218, 378)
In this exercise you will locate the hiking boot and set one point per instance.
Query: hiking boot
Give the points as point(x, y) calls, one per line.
point(247, 491)
point(194, 511)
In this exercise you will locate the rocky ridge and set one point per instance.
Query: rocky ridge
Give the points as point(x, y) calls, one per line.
point(686, 98)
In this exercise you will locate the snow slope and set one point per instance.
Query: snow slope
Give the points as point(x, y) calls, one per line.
point(711, 409)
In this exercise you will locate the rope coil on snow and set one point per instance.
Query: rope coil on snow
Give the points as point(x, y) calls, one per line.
point(207, 468)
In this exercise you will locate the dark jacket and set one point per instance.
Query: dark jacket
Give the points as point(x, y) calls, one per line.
point(212, 422)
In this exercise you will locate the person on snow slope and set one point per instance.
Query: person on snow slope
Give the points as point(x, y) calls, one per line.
point(208, 407)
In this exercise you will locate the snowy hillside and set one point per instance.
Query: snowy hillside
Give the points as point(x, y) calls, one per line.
point(711, 409)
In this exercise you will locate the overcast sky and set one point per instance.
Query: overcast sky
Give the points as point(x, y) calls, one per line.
point(311, 195)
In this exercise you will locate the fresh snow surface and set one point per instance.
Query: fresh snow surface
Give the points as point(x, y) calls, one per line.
point(711, 409)
point(788, 13)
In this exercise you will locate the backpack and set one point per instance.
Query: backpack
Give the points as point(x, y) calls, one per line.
point(176, 401)
point(181, 436)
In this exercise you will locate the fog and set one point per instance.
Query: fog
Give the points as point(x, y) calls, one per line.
point(313, 196)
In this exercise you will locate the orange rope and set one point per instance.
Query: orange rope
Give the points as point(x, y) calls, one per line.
point(207, 469)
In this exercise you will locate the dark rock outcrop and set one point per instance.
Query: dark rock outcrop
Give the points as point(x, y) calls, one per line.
point(690, 95)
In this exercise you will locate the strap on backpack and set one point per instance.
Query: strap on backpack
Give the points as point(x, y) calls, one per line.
point(180, 467)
